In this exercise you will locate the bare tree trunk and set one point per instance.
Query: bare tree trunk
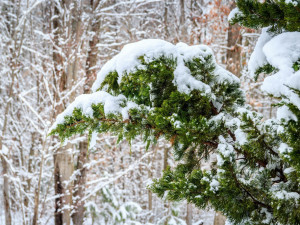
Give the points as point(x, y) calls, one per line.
point(150, 177)
point(80, 180)
point(79, 185)
point(182, 12)
point(165, 163)
point(234, 40)
point(5, 165)
point(91, 61)
point(5, 189)
point(219, 219)
point(15, 53)
point(3, 159)
point(38, 188)
point(166, 18)
point(183, 28)
point(189, 214)
point(63, 157)
point(63, 170)
point(29, 168)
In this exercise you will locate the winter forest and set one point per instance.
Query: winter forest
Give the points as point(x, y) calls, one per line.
point(156, 112)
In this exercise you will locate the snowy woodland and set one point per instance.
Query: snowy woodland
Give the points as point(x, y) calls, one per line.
point(165, 112)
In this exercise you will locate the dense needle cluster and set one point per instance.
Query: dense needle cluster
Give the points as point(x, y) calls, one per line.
point(181, 94)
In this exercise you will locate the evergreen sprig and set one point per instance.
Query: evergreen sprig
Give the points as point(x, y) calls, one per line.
point(278, 15)
point(255, 179)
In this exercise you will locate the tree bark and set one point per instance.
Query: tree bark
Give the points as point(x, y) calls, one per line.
point(165, 163)
point(79, 185)
point(37, 190)
point(3, 159)
point(166, 19)
point(6, 190)
point(189, 214)
point(219, 219)
point(150, 162)
point(15, 53)
point(183, 28)
point(63, 170)
point(63, 157)
point(79, 182)
point(234, 40)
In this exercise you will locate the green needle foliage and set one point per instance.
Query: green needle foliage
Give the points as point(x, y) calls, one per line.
point(255, 179)
point(184, 119)
point(276, 14)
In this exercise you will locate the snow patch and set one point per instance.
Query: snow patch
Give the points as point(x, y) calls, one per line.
point(258, 58)
point(93, 140)
point(234, 13)
point(269, 216)
point(289, 170)
point(282, 52)
point(294, 2)
point(214, 185)
point(4, 150)
point(284, 148)
point(287, 195)
point(284, 112)
point(241, 137)
point(128, 61)
point(112, 104)
point(225, 149)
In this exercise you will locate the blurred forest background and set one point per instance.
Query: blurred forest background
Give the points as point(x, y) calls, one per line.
point(50, 52)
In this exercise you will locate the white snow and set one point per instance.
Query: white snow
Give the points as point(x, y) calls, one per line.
point(283, 112)
point(177, 124)
point(225, 149)
point(228, 222)
point(218, 118)
point(284, 148)
point(287, 195)
point(233, 13)
point(258, 58)
point(241, 137)
point(93, 140)
point(185, 82)
point(190, 52)
point(84, 102)
point(294, 80)
point(205, 179)
point(289, 170)
point(280, 129)
point(4, 150)
point(223, 75)
point(214, 185)
point(235, 122)
point(269, 216)
point(127, 61)
point(294, 2)
point(220, 160)
point(282, 52)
